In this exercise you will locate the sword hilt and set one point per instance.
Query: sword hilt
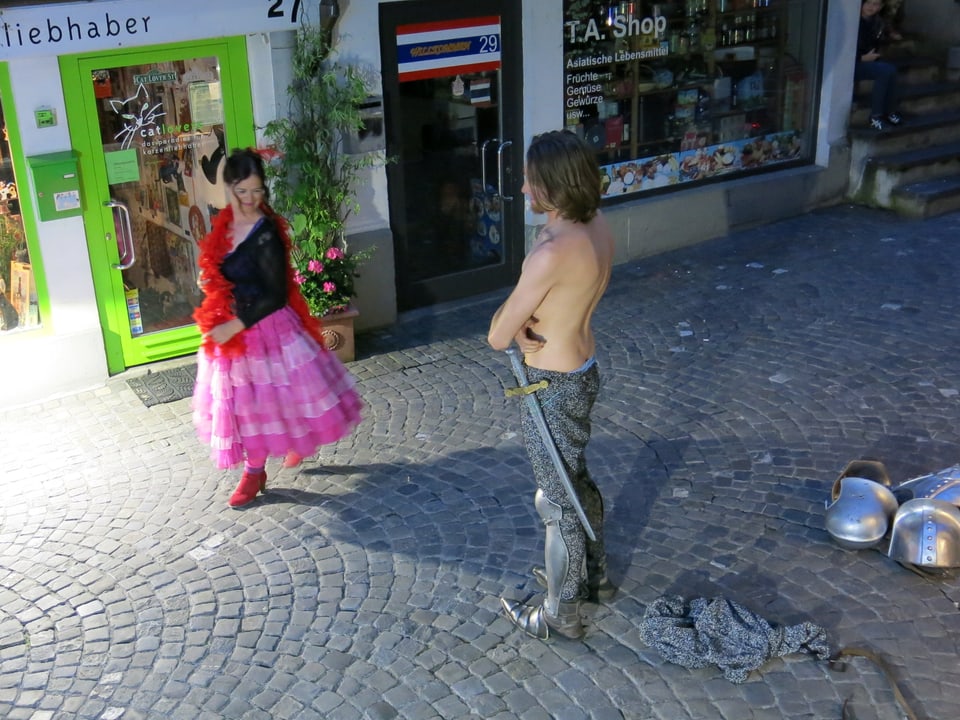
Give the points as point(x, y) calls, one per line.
point(526, 389)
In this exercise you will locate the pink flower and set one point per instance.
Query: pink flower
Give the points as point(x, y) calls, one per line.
point(329, 287)
point(315, 266)
point(298, 278)
point(334, 253)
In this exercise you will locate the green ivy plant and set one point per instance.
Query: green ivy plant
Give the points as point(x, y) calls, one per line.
point(312, 179)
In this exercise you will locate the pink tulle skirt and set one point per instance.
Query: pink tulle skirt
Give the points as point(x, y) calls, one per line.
point(284, 393)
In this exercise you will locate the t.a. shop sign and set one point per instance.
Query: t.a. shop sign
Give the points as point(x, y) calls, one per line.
point(66, 28)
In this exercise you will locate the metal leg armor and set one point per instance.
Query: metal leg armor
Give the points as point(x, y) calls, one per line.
point(596, 587)
point(556, 556)
point(561, 616)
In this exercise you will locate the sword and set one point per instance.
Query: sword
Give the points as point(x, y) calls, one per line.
point(536, 413)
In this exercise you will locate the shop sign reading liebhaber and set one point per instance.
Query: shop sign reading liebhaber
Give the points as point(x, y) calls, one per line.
point(64, 28)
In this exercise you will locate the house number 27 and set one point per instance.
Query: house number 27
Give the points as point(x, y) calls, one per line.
point(276, 10)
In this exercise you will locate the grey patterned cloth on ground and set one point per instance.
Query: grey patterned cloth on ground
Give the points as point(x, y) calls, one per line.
point(723, 633)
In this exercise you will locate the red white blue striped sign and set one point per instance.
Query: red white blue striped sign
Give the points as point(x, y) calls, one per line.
point(448, 47)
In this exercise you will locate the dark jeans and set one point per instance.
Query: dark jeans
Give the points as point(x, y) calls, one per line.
point(884, 76)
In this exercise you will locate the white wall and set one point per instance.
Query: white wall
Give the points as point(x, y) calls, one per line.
point(836, 94)
point(67, 353)
point(357, 43)
point(542, 77)
point(937, 20)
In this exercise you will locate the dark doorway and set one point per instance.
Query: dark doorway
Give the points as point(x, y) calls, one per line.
point(453, 102)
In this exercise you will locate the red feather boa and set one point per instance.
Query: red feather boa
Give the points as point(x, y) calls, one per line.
point(217, 304)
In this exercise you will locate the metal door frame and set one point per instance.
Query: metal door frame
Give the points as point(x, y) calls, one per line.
point(506, 175)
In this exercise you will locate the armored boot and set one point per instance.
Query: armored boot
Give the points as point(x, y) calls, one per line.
point(560, 616)
point(535, 620)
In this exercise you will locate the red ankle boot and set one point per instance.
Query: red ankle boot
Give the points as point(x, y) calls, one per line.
point(250, 484)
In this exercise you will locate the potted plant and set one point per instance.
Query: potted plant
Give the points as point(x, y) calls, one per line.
point(313, 180)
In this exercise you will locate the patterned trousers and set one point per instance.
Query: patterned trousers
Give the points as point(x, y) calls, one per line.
point(566, 404)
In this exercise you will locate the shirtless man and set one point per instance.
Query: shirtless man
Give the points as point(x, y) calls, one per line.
point(548, 316)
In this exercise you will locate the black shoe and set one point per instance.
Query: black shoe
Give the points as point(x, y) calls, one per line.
point(894, 118)
point(876, 122)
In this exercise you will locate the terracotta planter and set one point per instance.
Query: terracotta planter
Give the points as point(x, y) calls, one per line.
point(338, 333)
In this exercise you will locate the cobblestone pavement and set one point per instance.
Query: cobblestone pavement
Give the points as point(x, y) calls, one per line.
point(740, 376)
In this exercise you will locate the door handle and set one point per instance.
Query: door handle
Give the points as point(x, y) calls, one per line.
point(127, 235)
point(503, 145)
point(483, 162)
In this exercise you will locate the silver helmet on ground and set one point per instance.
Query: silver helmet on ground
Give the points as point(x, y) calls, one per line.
point(926, 532)
point(860, 513)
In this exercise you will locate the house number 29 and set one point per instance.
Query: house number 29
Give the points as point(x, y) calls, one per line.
point(276, 10)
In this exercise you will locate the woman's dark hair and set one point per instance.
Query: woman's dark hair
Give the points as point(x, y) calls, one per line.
point(563, 176)
point(242, 164)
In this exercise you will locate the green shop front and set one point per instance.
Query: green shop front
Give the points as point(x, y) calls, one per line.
point(116, 121)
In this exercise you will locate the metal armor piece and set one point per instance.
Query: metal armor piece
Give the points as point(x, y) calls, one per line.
point(926, 532)
point(860, 515)
point(943, 485)
point(868, 469)
point(556, 555)
point(536, 621)
point(552, 614)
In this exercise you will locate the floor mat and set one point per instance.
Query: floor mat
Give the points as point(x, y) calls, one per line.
point(163, 386)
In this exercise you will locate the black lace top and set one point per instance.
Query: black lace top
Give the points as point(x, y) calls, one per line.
point(257, 267)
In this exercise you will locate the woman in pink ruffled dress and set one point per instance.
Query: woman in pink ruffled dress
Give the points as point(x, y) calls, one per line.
point(266, 385)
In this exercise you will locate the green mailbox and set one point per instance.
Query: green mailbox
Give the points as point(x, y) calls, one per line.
point(57, 183)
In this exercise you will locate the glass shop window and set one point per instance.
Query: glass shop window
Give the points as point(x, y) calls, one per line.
point(18, 291)
point(671, 93)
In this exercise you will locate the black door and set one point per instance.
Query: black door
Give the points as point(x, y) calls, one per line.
point(452, 80)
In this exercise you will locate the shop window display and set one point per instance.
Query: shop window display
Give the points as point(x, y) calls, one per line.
point(18, 290)
point(671, 93)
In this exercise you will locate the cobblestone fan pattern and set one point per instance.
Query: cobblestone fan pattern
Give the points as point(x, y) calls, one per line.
point(740, 376)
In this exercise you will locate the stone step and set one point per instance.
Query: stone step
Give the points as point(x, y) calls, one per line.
point(914, 168)
point(917, 131)
point(927, 198)
point(928, 130)
point(884, 173)
point(918, 69)
point(914, 100)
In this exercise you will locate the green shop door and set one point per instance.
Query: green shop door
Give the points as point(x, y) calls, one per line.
point(151, 127)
